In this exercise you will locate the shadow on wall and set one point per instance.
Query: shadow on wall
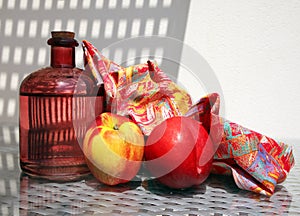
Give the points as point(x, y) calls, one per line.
point(26, 25)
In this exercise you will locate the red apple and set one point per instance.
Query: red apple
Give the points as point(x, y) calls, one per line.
point(179, 152)
point(114, 148)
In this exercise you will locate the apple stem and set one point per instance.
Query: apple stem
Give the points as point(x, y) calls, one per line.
point(116, 127)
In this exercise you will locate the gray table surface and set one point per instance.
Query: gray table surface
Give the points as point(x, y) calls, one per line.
point(21, 195)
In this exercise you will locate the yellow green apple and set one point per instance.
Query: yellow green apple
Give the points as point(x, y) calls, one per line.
point(113, 147)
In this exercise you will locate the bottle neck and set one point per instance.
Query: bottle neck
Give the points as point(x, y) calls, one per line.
point(62, 57)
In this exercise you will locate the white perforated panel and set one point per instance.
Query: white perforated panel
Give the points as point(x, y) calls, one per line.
point(25, 26)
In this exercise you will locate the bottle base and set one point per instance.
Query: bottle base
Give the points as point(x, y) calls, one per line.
point(56, 173)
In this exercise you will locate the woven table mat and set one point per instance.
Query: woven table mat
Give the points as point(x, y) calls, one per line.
point(21, 195)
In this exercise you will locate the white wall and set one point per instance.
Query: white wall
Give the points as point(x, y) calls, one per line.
point(253, 48)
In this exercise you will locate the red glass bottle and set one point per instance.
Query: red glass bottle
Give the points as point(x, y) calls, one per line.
point(57, 103)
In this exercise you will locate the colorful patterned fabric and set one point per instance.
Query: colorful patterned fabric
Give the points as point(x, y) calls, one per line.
point(256, 162)
point(142, 91)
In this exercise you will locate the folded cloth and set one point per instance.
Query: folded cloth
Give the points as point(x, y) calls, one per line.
point(257, 162)
point(143, 92)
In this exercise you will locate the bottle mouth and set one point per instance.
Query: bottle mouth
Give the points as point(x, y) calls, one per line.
point(63, 34)
point(62, 38)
